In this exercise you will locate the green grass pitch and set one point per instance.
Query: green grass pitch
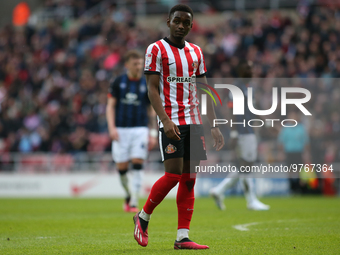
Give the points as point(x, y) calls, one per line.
point(298, 225)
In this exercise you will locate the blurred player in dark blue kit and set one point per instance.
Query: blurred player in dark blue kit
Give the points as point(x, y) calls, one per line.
point(244, 138)
point(127, 112)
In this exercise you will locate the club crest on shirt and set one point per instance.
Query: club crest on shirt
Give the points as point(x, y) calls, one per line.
point(195, 65)
point(148, 60)
point(170, 149)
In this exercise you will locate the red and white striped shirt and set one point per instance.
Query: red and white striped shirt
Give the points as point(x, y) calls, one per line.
point(178, 67)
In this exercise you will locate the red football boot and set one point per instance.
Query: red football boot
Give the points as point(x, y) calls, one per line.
point(186, 243)
point(140, 235)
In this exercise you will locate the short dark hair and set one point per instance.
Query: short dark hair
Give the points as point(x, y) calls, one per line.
point(132, 54)
point(182, 8)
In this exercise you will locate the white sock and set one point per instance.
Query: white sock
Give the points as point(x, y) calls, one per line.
point(227, 183)
point(144, 215)
point(136, 184)
point(248, 189)
point(182, 233)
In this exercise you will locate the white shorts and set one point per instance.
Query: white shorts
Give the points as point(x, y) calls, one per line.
point(132, 143)
point(247, 147)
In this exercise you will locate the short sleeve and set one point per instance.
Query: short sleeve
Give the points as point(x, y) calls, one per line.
point(201, 66)
point(114, 88)
point(153, 59)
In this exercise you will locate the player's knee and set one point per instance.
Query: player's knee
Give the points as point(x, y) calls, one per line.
point(123, 172)
point(137, 166)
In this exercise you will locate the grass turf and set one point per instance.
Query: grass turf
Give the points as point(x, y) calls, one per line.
point(308, 225)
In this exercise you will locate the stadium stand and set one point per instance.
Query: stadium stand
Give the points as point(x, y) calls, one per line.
point(54, 76)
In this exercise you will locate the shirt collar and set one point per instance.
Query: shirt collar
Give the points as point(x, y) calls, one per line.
point(172, 44)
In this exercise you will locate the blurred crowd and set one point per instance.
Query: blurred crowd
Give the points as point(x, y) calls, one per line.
point(77, 7)
point(54, 79)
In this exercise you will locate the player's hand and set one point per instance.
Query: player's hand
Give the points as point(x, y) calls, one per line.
point(114, 134)
point(152, 142)
point(218, 138)
point(233, 143)
point(171, 130)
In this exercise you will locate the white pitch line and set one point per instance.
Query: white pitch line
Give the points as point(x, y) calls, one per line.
point(244, 227)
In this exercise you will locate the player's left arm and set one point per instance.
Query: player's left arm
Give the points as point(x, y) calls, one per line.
point(201, 78)
point(215, 130)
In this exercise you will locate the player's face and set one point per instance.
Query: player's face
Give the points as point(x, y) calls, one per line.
point(180, 24)
point(134, 66)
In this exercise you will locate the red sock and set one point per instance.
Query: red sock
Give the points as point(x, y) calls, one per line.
point(159, 190)
point(185, 200)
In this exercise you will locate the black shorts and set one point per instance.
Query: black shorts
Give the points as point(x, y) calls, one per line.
point(190, 147)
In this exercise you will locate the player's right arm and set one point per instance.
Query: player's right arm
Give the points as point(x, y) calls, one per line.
point(111, 109)
point(170, 128)
point(152, 70)
point(110, 117)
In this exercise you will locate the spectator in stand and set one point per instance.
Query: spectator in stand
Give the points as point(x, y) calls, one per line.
point(46, 68)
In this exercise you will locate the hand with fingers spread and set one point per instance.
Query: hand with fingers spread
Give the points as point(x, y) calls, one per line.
point(218, 138)
point(171, 130)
